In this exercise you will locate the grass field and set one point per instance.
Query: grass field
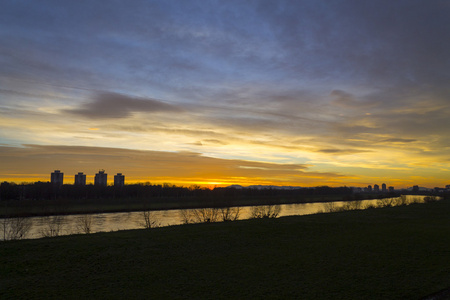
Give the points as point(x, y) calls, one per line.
point(389, 253)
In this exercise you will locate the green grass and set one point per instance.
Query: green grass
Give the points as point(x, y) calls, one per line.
point(390, 253)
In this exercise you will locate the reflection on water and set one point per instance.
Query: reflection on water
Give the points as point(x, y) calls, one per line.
point(106, 222)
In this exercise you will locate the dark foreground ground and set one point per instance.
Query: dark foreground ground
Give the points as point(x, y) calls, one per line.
point(390, 253)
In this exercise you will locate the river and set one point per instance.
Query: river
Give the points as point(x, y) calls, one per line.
point(106, 222)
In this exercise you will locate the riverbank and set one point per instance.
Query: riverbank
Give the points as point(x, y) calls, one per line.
point(388, 253)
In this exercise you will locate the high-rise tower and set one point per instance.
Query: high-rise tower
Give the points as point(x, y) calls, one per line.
point(119, 179)
point(80, 179)
point(57, 178)
point(101, 178)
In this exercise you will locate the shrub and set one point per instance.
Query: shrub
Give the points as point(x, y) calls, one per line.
point(265, 211)
point(15, 228)
point(149, 220)
point(84, 224)
point(429, 199)
point(229, 213)
point(53, 226)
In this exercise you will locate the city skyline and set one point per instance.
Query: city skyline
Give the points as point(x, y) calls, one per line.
point(294, 93)
point(100, 179)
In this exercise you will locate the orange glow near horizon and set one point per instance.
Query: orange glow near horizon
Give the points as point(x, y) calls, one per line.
point(203, 184)
point(187, 168)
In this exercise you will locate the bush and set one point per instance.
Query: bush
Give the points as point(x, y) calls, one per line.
point(265, 211)
point(429, 199)
point(53, 226)
point(331, 207)
point(229, 213)
point(199, 215)
point(15, 228)
point(386, 202)
point(352, 205)
point(84, 224)
point(149, 220)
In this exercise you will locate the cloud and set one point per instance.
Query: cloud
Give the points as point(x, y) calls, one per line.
point(348, 100)
point(109, 105)
point(215, 141)
point(398, 140)
point(37, 161)
point(369, 42)
point(195, 42)
point(342, 151)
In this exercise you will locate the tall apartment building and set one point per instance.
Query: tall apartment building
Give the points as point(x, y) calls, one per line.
point(101, 178)
point(383, 188)
point(57, 178)
point(119, 179)
point(80, 179)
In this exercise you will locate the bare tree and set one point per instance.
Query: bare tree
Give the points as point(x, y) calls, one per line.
point(199, 215)
point(53, 226)
point(386, 202)
point(205, 215)
point(4, 225)
point(186, 216)
point(402, 200)
point(149, 220)
point(15, 228)
point(84, 224)
point(428, 199)
point(416, 199)
point(370, 206)
point(331, 207)
point(352, 205)
point(265, 211)
point(229, 213)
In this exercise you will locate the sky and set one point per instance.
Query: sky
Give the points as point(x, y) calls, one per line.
point(300, 93)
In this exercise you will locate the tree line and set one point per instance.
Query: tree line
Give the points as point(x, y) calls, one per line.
point(48, 191)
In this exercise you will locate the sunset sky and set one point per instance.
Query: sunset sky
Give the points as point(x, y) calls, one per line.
point(300, 93)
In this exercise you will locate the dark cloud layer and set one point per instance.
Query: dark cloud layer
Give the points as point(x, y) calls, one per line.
point(398, 140)
point(203, 42)
point(113, 105)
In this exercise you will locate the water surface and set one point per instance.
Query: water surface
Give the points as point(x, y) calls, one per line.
point(106, 222)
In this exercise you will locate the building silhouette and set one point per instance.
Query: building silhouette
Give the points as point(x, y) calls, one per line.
point(101, 178)
point(57, 178)
point(383, 188)
point(119, 180)
point(376, 188)
point(369, 188)
point(391, 189)
point(80, 179)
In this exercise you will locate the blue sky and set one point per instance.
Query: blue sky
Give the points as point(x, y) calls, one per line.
point(338, 92)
